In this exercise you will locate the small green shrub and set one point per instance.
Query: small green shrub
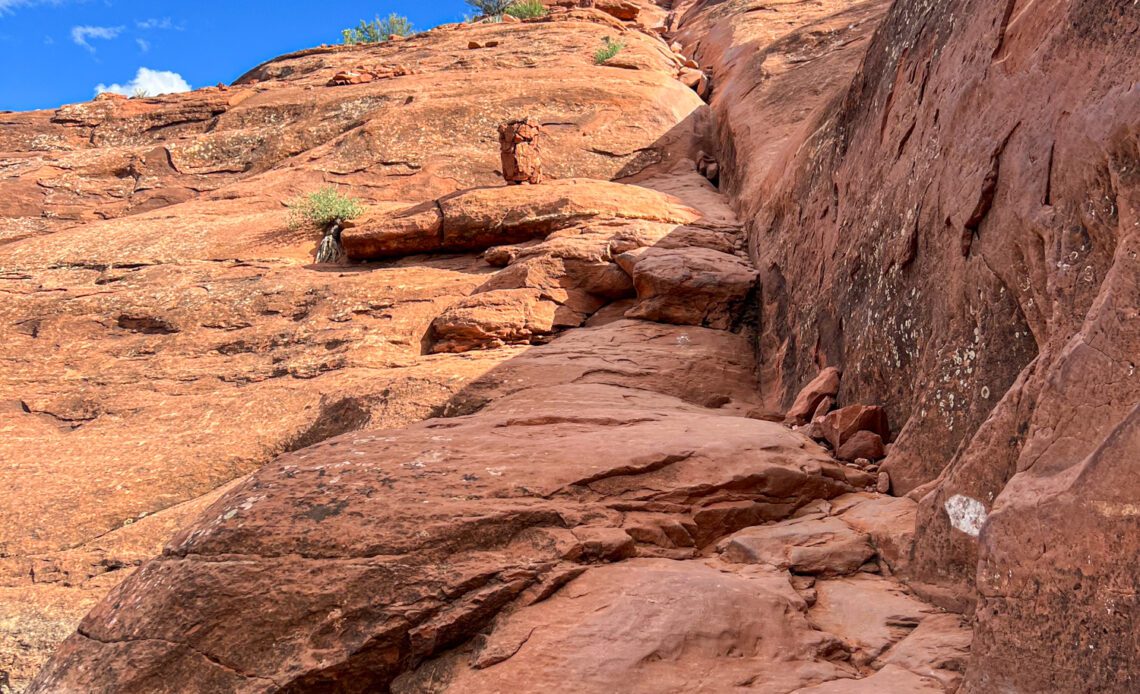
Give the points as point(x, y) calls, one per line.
point(377, 30)
point(527, 9)
point(491, 8)
point(607, 51)
point(322, 208)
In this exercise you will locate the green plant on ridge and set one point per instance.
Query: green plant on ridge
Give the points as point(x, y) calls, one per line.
point(323, 208)
point(526, 9)
point(609, 50)
point(378, 30)
point(491, 8)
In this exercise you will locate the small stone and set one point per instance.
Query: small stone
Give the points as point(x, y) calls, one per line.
point(884, 485)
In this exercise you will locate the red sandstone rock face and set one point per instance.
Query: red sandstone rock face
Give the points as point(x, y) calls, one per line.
point(609, 508)
point(163, 330)
point(956, 229)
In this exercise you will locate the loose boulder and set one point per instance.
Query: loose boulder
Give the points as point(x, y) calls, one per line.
point(842, 424)
point(496, 318)
point(861, 444)
point(825, 385)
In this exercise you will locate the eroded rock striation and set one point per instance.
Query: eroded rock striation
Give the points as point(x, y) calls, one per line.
point(633, 426)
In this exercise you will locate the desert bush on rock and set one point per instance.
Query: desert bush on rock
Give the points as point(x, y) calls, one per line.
point(527, 9)
point(609, 50)
point(323, 208)
point(378, 30)
point(491, 8)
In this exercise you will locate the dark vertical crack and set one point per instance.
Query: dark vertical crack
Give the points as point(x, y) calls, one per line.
point(1002, 28)
point(986, 195)
point(1047, 198)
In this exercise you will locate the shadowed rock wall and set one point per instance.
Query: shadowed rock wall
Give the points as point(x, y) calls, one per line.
point(958, 232)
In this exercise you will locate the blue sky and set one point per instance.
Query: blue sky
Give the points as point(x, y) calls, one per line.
point(55, 52)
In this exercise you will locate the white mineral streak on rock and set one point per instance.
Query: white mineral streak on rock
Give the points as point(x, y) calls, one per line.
point(966, 514)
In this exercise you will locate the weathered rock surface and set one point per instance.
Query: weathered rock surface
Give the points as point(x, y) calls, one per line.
point(647, 625)
point(356, 568)
point(559, 519)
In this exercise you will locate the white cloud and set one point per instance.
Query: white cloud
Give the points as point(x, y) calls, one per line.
point(9, 6)
point(144, 45)
point(152, 23)
point(80, 34)
point(151, 82)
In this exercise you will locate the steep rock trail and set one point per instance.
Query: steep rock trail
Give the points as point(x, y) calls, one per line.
point(587, 492)
point(551, 466)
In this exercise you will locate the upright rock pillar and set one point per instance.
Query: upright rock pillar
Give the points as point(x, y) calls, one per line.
point(519, 145)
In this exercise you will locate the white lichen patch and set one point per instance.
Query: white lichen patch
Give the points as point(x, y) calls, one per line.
point(966, 514)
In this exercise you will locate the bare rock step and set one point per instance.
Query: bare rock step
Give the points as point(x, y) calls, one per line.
point(691, 286)
point(870, 613)
point(686, 362)
point(938, 649)
point(644, 626)
point(820, 546)
point(499, 317)
point(889, 521)
point(890, 680)
point(479, 218)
